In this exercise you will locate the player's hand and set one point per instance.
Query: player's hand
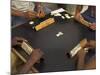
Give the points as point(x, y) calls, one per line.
point(17, 41)
point(30, 14)
point(91, 44)
point(40, 12)
point(78, 17)
point(93, 26)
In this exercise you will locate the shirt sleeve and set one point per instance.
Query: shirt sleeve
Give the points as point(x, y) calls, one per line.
point(23, 6)
point(84, 9)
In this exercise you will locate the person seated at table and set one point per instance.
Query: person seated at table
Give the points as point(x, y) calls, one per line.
point(86, 15)
point(70, 8)
point(15, 60)
point(22, 11)
point(18, 64)
point(90, 63)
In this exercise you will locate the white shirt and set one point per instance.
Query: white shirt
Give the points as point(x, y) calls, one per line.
point(71, 8)
point(84, 9)
point(23, 6)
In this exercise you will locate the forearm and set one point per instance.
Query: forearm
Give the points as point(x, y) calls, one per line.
point(28, 14)
point(80, 64)
point(17, 13)
point(80, 19)
point(91, 44)
point(80, 59)
point(83, 21)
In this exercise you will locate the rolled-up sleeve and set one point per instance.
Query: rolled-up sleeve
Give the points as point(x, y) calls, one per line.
point(22, 5)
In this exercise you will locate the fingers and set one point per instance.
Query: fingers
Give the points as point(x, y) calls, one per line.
point(93, 26)
point(40, 13)
point(31, 15)
point(92, 43)
point(18, 41)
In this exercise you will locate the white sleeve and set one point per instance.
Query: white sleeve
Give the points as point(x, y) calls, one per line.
point(22, 5)
point(84, 9)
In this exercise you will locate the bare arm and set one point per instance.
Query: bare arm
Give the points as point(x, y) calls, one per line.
point(80, 18)
point(28, 14)
point(91, 44)
point(39, 10)
point(16, 13)
point(81, 59)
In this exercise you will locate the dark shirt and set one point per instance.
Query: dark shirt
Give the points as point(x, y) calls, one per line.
point(90, 14)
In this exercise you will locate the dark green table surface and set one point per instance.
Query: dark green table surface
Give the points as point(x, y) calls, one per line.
point(54, 47)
